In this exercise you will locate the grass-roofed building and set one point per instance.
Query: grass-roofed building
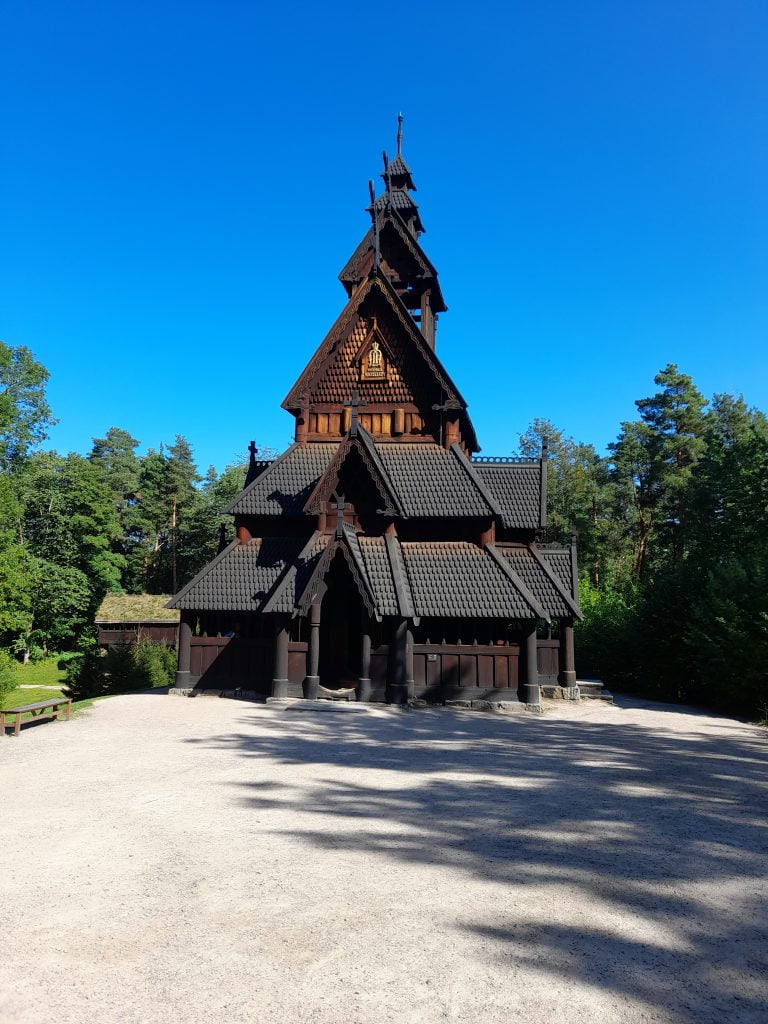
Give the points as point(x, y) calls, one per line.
point(122, 618)
point(379, 553)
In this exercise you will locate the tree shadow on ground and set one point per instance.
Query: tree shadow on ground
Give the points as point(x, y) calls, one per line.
point(661, 834)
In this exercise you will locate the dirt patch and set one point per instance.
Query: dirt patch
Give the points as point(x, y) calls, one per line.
point(174, 860)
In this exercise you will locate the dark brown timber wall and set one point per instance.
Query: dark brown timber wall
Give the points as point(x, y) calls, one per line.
point(117, 634)
point(463, 671)
point(220, 662)
point(440, 672)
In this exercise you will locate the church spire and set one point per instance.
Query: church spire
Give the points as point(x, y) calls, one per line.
point(398, 184)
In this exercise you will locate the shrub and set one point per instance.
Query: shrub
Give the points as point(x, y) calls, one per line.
point(154, 664)
point(8, 678)
point(86, 676)
point(127, 668)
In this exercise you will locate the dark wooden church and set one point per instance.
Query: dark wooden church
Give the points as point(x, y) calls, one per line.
point(379, 556)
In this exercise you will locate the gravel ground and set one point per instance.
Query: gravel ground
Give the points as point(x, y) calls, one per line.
point(173, 860)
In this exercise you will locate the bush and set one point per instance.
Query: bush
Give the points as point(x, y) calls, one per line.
point(128, 668)
point(86, 676)
point(8, 677)
point(154, 664)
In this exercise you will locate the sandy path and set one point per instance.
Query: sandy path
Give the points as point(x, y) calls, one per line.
point(173, 860)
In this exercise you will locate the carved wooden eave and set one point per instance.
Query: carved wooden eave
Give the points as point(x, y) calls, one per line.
point(316, 585)
point(327, 485)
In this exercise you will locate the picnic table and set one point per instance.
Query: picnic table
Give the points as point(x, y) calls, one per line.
point(42, 709)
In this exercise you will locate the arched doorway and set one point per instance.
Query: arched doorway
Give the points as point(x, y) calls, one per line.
point(340, 619)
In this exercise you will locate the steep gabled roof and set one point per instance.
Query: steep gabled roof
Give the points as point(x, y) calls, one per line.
point(377, 284)
point(347, 546)
point(398, 199)
point(359, 263)
point(363, 444)
point(284, 486)
point(414, 479)
point(398, 168)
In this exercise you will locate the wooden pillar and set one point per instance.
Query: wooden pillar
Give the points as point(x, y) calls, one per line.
point(531, 694)
point(243, 533)
point(410, 682)
point(488, 535)
point(302, 426)
point(312, 679)
point(364, 679)
point(567, 675)
point(185, 656)
point(280, 672)
point(397, 689)
point(451, 431)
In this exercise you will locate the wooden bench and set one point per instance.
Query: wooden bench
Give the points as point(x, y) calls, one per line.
point(43, 709)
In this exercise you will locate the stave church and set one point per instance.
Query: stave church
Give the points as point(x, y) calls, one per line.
point(381, 558)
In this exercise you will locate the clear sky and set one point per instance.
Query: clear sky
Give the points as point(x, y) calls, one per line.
point(180, 184)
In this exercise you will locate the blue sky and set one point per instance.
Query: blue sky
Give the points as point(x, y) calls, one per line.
point(180, 184)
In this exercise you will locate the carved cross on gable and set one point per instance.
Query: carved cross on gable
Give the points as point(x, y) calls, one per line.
point(341, 507)
point(354, 405)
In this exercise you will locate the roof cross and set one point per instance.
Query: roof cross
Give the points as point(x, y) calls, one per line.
point(399, 133)
point(341, 507)
point(353, 405)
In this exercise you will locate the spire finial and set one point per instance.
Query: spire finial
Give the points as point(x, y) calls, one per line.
point(400, 133)
point(375, 219)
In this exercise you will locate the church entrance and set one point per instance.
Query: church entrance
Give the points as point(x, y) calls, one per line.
point(340, 619)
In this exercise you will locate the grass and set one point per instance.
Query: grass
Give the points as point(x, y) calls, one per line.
point(17, 697)
point(136, 608)
point(38, 675)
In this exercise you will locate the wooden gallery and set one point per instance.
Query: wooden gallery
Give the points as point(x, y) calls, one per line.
point(380, 556)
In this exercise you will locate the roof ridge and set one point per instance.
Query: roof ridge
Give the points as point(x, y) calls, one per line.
point(354, 548)
point(370, 446)
point(507, 569)
point(278, 585)
point(483, 490)
point(568, 598)
point(403, 588)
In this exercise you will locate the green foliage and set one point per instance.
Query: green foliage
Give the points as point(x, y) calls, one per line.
point(127, 668)
point(605, 635)
point(8, 678)
point(70, 519)
point(24, 412)
point(61, 602)
point(18, 572)
point(153, 664)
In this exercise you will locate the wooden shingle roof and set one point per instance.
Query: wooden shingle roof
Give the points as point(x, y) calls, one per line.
point(539, 578)
point(516, 488)
point(283, 488)
point(462, 580)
